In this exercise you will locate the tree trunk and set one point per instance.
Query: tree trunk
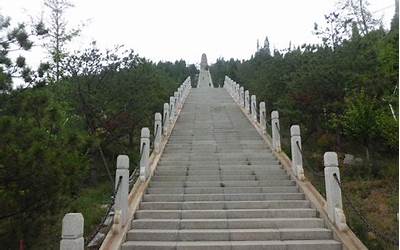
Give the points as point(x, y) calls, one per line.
point(363, 18)
point(93, 170)
point(367, 155)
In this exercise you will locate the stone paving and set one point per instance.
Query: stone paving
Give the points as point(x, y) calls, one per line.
point(218, 186)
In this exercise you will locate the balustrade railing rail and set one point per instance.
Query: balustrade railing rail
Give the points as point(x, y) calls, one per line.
point(273, 129)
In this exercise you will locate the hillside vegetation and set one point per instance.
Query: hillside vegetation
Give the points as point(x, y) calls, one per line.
point(60, 138)
point(344, 96)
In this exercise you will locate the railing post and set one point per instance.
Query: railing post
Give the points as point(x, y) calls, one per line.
point(276, 137)
point(157, 132)
point(178, 98)
point(237, 93)
point(144, 154)
point(72, 232)
point(171, 109)
point(121, 197)
point(254, 107)
point(263, 117)
point(176, 104)
point(166, 119)
point(225, 82)
point(181, 94)
point(333, 191)
point(241, 93)
point(297, 158)
point(247, 101)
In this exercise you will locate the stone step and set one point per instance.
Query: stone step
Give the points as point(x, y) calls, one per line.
point(215, 205)
point(267, 183)
point(217, 148)
point(242, 138)
point(223, 197)
point(226, 214)
point(215, 156)
point(254, 153)
point(216, 166)
point(234, 245)
point(247, 223)
point(222, 190)
point(229, 234)
point(205, 161)
point(219, 177)
point(200, 172)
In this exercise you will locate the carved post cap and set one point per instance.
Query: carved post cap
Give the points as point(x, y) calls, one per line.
point(274, 114)
point(122, 162)
point(145, 133)
point(72, 226)
point(262, 105)
point(166, 105)
point(331, 159)
point(295, 130)
point(157, 116)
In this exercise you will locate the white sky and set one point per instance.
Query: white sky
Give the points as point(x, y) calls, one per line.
point(168, 30)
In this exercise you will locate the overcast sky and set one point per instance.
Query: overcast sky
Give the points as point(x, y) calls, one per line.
point(174, 29)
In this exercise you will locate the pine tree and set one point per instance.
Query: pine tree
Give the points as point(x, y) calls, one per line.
point(58, 34)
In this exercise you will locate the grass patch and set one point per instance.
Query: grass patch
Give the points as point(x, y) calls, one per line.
point(92, 203)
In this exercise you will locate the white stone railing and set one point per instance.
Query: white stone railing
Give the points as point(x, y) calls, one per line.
point(332, 207)
point(72, 226)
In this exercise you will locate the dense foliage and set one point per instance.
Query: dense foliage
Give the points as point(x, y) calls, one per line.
point(61, 138)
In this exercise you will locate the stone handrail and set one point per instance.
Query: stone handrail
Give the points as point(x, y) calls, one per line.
point(330, 209)
point(126, 203)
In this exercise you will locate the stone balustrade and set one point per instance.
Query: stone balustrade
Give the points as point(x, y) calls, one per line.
point(334, 205)
point(166, 119)
point(276, 135)
point(241, 93)
point(72, 232)
point(171, 108)
point(122, 187)
point(144, 154)
point(254, 108)
point(73, 223)
point(247, 101)
point(263, 121)
point(157, 132)
point(297, 158)
point(333, 191)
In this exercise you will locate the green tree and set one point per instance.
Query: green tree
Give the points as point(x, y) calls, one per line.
point(58, 34)
point(41, 165)
point(13, 40)
point(359, 120)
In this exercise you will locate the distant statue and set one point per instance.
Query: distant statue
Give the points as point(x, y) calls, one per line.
point(204, 76)
point(203, 63)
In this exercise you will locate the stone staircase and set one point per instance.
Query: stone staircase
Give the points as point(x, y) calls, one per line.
point(218, 186)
